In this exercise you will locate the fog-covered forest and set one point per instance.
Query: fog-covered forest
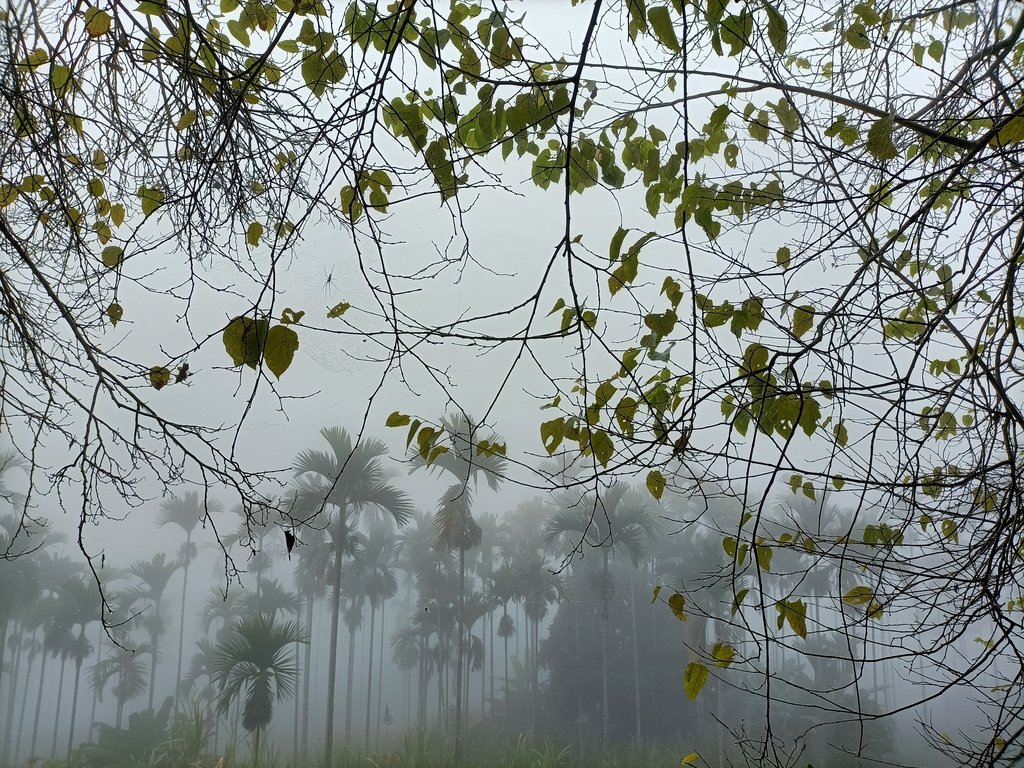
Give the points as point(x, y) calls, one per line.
point(526, 384)
point(566, 629)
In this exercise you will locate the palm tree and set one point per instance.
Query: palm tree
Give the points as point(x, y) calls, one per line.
point(614, 521)
point(256, 661)
point(186, 513)
point(455, 529)
point(123, 665)
point(75, 609)
point(377, 558)
point(349, 477)
point(312, 572)
point(153, 577)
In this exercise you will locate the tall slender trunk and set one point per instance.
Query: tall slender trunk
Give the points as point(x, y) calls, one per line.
point(74, 695)
point(369, 674)
point(579, 693)
point(95, 689)
point(305, 683)
point(181, 622)
point(636, 654)
point(56, 713)
point(332, 662)
point(490, 645)
point(155, 639)
point(256, 746)
point(380, 668)
point(604, 659)
point(3, 650)
point(349, 685)
point(12, 684)
point(460, 630)
point(39, 704)
point(24, 706)
point(508, 704)
point(302, 670)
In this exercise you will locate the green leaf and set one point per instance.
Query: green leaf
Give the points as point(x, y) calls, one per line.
point(97, 22)
point(783, 256)
point(803, 319)
point(764, 557)
point(723, 654)
point(254, 233)
point(655, 483)
point(950, 531)
point(282, 342)
point(115, 312)
point(879, 144)
point(151, 198)
point(856, 35)
point(778, 28)
point(664, 31)
point(859, 596)
point(289, 316)
point(1011, 133)
point(186, 120)
point(244, 339)
point(112, 256)
point(60, 80)
point(397, 419)
point(551, 434)
point(159, 377)
point(677, 604)
point(694, 678)
point(794, 613)
point(603, 446)
point(737, 601)
point(351, 205)
point(657, 591)
point(338, 310)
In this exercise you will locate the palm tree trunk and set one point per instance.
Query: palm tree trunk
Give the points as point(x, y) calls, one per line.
point(8, 738)
point(369, 674)
point(155, 640)
point(380, 668)
point(636, 654)
point(459, 656)
point(39, 704)
point(56, 714)
point(349, 686)
point(181, 623)
point(508, 704)
point(95, 689)
point(256, 746)
point(24, 706)
point(305, 683)
point(332, 662)
point(604, 660)
point(74, 700)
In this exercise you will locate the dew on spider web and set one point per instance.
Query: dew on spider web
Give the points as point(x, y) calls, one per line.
point(323, 283)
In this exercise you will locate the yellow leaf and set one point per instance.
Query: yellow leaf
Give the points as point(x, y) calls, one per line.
point(254, 233)
point(655, 483)
point(694, 679)
point(690, 758)
point(112, 256)
point(185, 121)
point(115, 312)
point(677, 604)
point(159, 377)
point(279, 352)
point(97, 22)
point(8, 194)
